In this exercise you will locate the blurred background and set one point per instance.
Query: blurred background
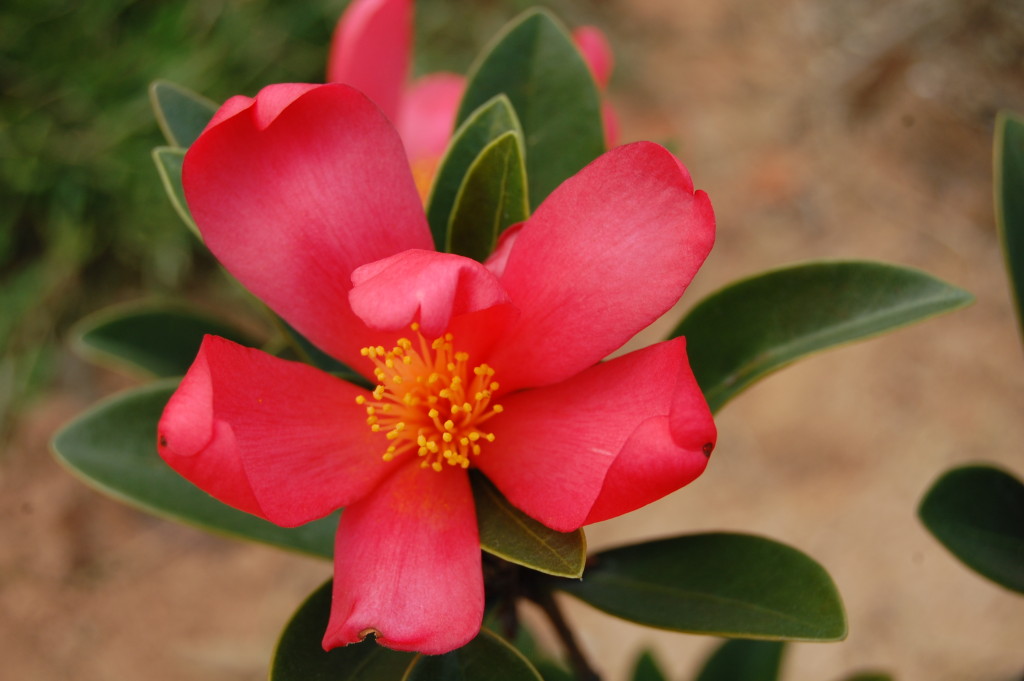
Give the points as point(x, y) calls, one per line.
point(820, 130)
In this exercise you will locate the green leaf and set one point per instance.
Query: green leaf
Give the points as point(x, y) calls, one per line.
point(492, 197)
point(508, 533)
point(487, 657)
point(722, 584)
point(300, 657)
point(1009, 189)
point(749, 329)
point(156, 339)
point(113, 448)
point(549, 667)
point(977, 512)
point(744, 660)
point(488, 122)
point(181, 113)
point(535, 63)
point(647, 668)
point(168, 162)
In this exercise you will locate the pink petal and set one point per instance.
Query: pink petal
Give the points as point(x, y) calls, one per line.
point(662, 455)
point(426, 117)
point(611, 124)
point(371, 50)
point(294, 192)
point(609, 251)
point(278, 439)
point(422, 286)
point(499, 257)
point(556, 448)
point(596, 51)
point(407, 565)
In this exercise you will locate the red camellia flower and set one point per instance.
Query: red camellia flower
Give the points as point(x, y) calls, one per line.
point(305, 195)
point(372, 51)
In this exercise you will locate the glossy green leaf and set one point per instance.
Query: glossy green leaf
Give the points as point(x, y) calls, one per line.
point(487, 657)
point(535, 63)
point(156, 339)
point(751, 328)
point(300, 657)
point(181, 113)
point(508, 533)
point(488, 122)
point(977, 512)
point(647, 668)
point(112, 447)
point(722, 584)
point(1009, 188)
point(168, 162)
point(746, 660)
point(492, 198)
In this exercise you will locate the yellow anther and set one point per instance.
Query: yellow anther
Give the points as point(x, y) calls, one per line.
point(427, 402)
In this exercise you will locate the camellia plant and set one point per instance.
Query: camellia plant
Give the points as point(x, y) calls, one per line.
point(449, 268)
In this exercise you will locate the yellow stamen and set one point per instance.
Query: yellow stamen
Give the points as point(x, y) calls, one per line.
point(429, 401)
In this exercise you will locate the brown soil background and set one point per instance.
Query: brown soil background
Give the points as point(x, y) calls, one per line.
point(820, 130)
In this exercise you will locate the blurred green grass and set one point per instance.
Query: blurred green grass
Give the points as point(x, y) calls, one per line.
point(84, 221)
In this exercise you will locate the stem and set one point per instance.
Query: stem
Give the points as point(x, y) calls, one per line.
point(580, 665)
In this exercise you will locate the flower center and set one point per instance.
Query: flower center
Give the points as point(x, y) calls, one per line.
point(430, 401)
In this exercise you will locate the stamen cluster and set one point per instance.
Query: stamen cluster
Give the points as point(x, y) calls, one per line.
point(430, 401)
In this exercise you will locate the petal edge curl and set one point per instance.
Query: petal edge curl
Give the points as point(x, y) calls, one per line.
point(278, 439)
point(555, 447)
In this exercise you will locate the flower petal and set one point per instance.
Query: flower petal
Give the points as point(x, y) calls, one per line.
point(662, 455)
point(609, 251)
point(407, 565)
point(426, 116)
point(611, 124)
point(371, 50)
point(278, 439)
point(294, 192)
point(593, 44)
point(422, 285)
point(556, 447)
